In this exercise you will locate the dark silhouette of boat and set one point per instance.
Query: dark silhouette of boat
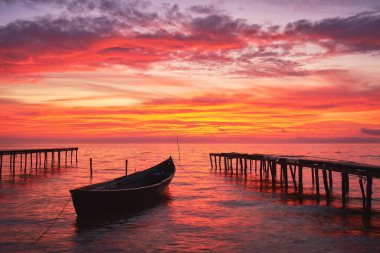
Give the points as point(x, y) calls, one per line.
point(124, 192)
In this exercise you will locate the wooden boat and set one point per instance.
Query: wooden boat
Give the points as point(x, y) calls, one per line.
point(124, 192)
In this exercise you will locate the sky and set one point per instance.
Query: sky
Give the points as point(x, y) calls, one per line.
point(205, 71)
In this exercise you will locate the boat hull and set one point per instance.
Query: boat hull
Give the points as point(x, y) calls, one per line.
point(88, 200)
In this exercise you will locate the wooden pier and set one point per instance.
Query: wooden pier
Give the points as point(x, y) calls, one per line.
point(36, 158)
point(291, 170)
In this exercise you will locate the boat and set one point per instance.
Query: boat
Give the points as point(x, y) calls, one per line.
point(124, 192)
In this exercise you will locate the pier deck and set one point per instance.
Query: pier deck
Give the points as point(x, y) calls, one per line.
point(291, 171)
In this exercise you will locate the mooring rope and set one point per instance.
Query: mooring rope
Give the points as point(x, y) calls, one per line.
point(179, 162)
point(179, 153)
point(180, 166)
point(54, 221)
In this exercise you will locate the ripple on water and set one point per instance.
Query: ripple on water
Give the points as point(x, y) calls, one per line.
point(211, 212)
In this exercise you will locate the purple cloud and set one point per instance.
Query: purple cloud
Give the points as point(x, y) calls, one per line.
point(370, 131)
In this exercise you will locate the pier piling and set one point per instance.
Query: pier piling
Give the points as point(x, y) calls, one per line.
point(267, 166)
point(21, 155)
point(91, 167)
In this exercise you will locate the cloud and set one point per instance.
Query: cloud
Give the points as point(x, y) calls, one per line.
point(370, 131)
point(139, 34)
point(358, 33)
point(204, 9)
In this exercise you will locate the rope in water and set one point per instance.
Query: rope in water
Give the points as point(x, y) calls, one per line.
point(180, 166)
point(179, 153)
point(68, 199)
point(54, 221)
point(179, 162)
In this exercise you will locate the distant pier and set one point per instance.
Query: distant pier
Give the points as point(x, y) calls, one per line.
point(291, 172)
point(36, 158)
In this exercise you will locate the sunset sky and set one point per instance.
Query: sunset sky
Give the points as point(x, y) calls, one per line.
point(239, 71)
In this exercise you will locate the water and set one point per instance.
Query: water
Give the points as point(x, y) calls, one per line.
point(204, 210)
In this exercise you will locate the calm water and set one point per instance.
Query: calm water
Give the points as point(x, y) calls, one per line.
point(204, 210)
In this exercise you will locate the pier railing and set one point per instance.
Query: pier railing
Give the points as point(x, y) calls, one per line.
point(291, 172)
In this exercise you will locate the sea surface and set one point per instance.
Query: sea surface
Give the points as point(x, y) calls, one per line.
point(203, 211)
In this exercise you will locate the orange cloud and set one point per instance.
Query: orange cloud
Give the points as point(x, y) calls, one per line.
point(131, 71)
point(283, 113)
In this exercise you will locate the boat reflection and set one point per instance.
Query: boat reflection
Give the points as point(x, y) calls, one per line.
point(104, 219)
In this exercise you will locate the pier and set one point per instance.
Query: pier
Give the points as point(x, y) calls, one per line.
point(36, 158)
point(291, 168)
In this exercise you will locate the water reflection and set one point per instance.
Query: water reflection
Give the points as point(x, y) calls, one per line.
point(211, 212)
point(340, 220)
point(121, 216)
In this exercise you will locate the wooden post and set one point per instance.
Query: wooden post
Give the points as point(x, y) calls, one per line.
point(225, 163)
point(261, 170)
point(31, 160)
point(76, 155)
point(14, 164)
point(363, 192)
point(45, 159)
point(285, 168)
point(293, 174)
point(300, 179)
point(10, 162)
point(330, 180)
point(36, 160)
point(21, 163)
point(343, 178)
point(26, 160)
point(91, 167)
point(71, 156)
point(126, 167)
point(368, 194)
point(264, 165)
point(326, 184)
point(220, 164)
point(216, 165)
point(237, 165)
point(212, 166)
point(59, 159)
point(52, 159)
point(317, 182)
point(273, 171)
point(312, 176)
point(245, 167)
point(1, 164)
